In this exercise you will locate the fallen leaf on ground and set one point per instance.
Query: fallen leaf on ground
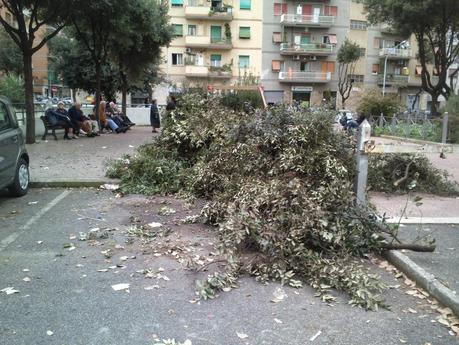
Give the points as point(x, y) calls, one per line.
point(119, 287)
point(412, 311)
point(242, 335)
point(27, 279)
point(10, 290)
point(124, 258)
point(279, 295)
point(152, 287)
point(39, 242)
point(49, 333)
point(155, 225)
point(315, 336)
point(277, 321)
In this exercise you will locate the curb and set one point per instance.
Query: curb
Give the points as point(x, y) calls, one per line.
point(424, 279)
point(409, 140)
point(424, 220)
point(71, 184)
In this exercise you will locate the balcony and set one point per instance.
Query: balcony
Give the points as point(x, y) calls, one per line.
point(196, 71)
point(208, 42)
point(395, 54)
point(321, 49)
point(299, 20)
point(394, 79)
point(203, 11)
point(201, 71)
point(304, 77)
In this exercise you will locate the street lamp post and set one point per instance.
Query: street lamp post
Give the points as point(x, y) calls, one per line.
point(405, 43)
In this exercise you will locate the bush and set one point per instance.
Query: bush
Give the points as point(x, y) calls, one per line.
point(386, 170)
point(373, 103)
point(236, 100)
point(12, 87)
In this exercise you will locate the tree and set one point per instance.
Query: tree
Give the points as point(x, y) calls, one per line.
point(10, 55)
point(95, 22)
point(435, 25)
point(32, 16)
point(137, 47)
point(74, 65)
point(348, 54)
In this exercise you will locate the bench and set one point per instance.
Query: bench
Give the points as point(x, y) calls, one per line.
point(49, 127)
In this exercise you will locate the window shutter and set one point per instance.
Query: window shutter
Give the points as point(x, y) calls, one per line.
point(277, 9)
point(377, 43)
point(328, 66)
point(245, 4)
point(326, 10)
point(178, 30)
point(333, 11)
point(284, 8)
point(333, 39)
point(244, 32)
point(215, 57)
point(307, 9)
point(276, 65)
point(375, 68)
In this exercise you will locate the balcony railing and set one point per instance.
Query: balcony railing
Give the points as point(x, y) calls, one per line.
point(307, 20)
point(208, 42)
point(302, 77)
point(309, 48)
point(196, 9)
point(203, 71)
point(395, 53)
point(391, 79)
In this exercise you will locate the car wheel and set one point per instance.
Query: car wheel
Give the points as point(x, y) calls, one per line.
point(20, 186)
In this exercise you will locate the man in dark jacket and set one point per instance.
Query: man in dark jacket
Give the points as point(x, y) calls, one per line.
point(80, 121)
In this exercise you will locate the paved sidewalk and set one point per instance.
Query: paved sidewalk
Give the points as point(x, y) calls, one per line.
point(82, 159)
point(433, 206)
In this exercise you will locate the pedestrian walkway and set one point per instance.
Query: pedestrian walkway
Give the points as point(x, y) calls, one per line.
point(82, 159)
point(433, 207)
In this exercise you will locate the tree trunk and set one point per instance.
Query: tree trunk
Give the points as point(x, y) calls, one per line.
point(98, 93)
point(30, 109)
point(124, 90)
point(434, 105)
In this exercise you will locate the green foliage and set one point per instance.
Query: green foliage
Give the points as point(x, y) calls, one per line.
point(10, 55)
point(349, 52)
point(12, 87)
point(373, 103)
point(385, 171)
point(278, 185)
point(452, 105)
point(236, 100)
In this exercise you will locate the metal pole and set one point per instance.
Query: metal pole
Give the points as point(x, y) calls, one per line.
point(385, 75)
point(444, 134)
point(364, 134)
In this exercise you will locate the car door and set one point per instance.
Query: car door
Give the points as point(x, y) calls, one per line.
point(9, 146)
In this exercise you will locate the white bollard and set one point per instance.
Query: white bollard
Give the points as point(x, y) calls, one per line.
point(364, 135)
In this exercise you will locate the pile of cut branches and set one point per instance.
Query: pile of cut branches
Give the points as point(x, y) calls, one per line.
point(279, 190)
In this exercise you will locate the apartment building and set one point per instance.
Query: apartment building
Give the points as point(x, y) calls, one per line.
point(39, 59)
point(216, 42)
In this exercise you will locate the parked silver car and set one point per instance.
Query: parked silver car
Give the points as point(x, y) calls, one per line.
point(14, 160)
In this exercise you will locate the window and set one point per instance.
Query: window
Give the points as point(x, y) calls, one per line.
point(244, 32)
point(178, 30)
point(331, 11)
point(363, 51)
point(244, 61)
point(377, 43)
point(177, 3)
point(358, 25)
point(277, 37)
point(276, 65)
point(192, 31)
point(375, 68)
point(358, 78)
point(177, 59)
point(216, 60)
point(245, 4)
point(418, 70)
point(328, 66)
point(280, 9)
point(4, 118)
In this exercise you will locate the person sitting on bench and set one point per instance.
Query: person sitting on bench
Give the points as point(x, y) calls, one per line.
point(59, 117)
point(80, 121)
point(107, 122)
point(114, 110)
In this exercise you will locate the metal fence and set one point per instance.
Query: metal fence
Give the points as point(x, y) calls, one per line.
point(408, 125)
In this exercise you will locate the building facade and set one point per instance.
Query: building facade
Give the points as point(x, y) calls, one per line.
point(216, 42)
point(290, 47)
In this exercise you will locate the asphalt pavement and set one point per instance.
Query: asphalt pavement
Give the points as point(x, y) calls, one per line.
point(65, 293)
